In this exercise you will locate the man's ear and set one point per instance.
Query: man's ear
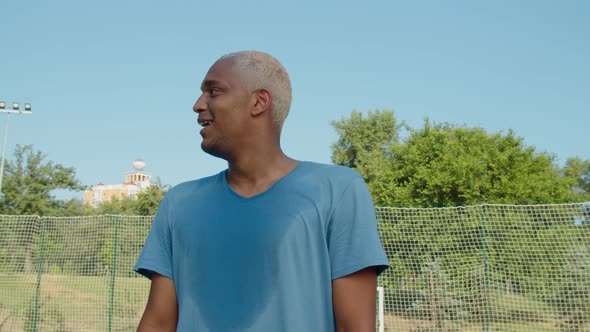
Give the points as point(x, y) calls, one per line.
point(262, 102)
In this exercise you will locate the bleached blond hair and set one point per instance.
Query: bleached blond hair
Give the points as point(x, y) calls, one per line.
point(260, 70)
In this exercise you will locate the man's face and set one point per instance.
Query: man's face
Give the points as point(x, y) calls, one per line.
point(223, 109)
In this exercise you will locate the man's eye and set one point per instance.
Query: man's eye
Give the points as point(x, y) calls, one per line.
point(214, 91)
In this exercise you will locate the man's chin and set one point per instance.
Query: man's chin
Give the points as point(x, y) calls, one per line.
point(207, 148)
point(210, 149)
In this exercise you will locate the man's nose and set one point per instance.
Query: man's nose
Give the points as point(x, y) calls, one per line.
point(200, 105)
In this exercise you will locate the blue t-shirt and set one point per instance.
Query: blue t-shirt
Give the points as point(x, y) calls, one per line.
point(264, 263)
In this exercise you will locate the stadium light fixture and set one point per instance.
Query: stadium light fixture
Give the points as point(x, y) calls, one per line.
point(15, 106)
point(27, 107)
point(2, 105)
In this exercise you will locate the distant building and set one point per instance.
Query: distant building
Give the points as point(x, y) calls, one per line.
point(135, 182)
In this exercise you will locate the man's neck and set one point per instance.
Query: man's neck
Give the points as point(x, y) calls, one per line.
point(252, 174)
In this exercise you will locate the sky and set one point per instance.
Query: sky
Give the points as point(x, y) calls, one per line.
point(113, 81)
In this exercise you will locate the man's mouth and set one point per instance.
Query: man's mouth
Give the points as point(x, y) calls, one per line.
point(205, 123)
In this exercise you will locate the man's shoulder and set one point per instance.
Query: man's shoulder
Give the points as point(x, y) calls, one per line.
point(331, 172)
point(328, 179)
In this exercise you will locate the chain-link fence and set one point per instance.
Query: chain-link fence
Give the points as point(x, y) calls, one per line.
point(477, 268)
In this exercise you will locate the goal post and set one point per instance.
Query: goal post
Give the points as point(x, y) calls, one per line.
point(380, 312)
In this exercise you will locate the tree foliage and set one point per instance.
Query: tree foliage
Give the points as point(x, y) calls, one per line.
point(116, 205)
point(29, 181)
point(149, 200)
point(578, 171)
point(362, 138)
point(442, 164)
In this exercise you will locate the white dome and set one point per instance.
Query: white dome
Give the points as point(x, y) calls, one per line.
point(138, 164)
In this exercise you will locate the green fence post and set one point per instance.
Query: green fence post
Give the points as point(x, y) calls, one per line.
point(39, 270)
point(113, 273)
point(486, 299)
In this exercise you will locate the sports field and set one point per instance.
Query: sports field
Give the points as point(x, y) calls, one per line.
point(477, 268)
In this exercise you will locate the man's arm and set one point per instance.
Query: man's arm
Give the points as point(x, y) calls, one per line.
point(161, 311)
point(354, 301)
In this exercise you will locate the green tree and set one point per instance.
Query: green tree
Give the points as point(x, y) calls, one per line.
point(29, 181)
point(578, 171)
point(365, 143)
point(117, 205)
point(442, 164)
point(149, 200)
point(71, 208)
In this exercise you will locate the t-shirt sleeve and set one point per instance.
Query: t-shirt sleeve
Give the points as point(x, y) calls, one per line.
point(353, 240)
point(156, 255)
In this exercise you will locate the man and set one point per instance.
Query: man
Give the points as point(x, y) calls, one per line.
point(271, 243)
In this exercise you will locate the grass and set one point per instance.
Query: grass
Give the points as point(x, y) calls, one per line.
point(15, 293)
point(508, 312)
point(71, 303)
point(400, 324)
point(75, 303)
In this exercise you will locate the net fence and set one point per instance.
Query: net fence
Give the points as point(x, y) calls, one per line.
point(71, 274)
point(476, 268)
point(487, 268)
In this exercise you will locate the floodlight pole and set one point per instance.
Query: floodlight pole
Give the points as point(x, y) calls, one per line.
point(15, 109)
point(4, 149)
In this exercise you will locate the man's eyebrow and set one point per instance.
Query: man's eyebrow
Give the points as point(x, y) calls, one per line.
point(209, 83)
